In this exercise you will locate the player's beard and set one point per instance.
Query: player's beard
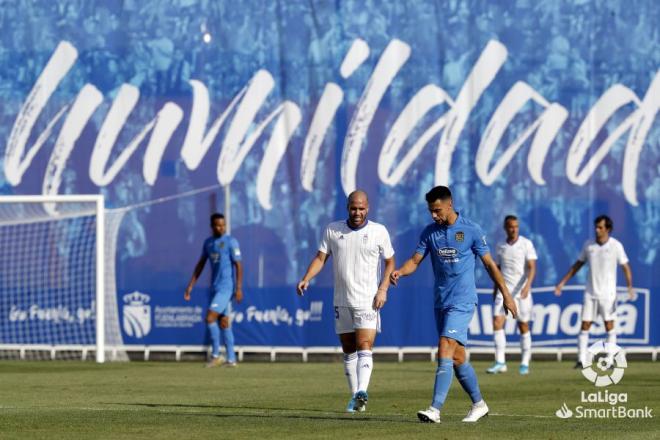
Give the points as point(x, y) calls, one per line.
point(357, 221)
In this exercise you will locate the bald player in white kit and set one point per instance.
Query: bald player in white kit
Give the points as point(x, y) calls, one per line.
point(602, 255)
point(357, 246)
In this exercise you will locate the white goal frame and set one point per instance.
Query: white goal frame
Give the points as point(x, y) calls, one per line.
point(98, 199)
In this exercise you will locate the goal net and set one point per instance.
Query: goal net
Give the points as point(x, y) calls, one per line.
point(52, 277)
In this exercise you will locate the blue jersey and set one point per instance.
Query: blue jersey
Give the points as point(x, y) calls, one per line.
point(454, 250)
point(222, 252)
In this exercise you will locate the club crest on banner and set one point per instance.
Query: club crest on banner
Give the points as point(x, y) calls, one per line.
point(137, 314)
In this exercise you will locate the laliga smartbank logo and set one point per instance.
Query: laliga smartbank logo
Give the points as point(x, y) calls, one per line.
point(604, 366)
point(606, 363)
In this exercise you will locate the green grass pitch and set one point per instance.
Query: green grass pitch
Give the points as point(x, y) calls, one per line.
point(161, 400)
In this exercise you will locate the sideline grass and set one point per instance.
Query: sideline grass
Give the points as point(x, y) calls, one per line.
point(161, 400)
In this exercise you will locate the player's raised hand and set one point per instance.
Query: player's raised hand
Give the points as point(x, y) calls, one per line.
point(394, 277)
point(302, 286)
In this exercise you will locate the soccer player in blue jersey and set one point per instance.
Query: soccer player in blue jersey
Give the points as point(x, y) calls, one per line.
point(224, 255)
point(454, 243)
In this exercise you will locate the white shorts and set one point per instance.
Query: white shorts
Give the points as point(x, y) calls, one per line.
point(593, 307)
point(348, 319)
point(524, 307)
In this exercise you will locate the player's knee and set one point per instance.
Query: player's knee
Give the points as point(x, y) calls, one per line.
point(211, 318)
point(349, 347)
point(224, 322)
point(348, 342)
point(447, 347)
point(459, 359)
point(586, 325)
point(524, 327)
point(364, 345)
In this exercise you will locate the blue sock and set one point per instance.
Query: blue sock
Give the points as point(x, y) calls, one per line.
point(444, 373)
point(468, 379)
point(228, 336)
point(222, 337)
point(215, 338)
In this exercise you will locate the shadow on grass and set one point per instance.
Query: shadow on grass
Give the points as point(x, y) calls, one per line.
point(284, 413)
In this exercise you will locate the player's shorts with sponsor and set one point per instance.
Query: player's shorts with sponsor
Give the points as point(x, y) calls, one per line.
point(524, 306)
point(594, 306)
point(349, 319)
point(452, 321)
point(221, 302)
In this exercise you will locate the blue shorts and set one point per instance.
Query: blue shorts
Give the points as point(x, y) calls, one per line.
point(453, 321)
point(221, 302)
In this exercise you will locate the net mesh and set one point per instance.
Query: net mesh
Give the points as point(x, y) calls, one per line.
point(47, 279)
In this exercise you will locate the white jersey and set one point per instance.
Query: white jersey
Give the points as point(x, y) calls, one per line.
point(356, 258)
point(512, 259)
point(602, 261)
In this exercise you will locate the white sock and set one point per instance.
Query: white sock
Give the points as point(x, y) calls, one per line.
point(365, 364)
point(500, 345)
point(350, 369)
point(611, 336)
point(525, 348)
point(583, 342)
point(611, 339)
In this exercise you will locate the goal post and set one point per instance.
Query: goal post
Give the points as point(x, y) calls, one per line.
point(52, 286)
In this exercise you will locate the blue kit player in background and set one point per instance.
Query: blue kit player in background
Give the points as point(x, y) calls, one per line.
point(454, 243)
point(224, 255)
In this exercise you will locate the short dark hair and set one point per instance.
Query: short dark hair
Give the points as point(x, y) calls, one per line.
point(510, 217)
point(603, 218)
point(215, 216)
point(438, 193)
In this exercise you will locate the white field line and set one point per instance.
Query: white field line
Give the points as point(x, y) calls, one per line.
point(247, 411)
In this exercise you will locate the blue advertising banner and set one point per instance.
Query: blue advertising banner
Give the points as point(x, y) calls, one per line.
point(277, 317)
point(272, 112)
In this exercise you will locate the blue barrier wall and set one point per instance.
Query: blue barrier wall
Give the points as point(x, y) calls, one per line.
point(547, 111)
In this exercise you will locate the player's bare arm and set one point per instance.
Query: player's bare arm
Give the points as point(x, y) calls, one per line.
point(199, 267)
point(238, 293)
point(408, 267)
point(628, 274)
point(381, 296)
point(571, 272)
point(314, 268)
point(531, 273)
point(495, 286)
point(498, 279)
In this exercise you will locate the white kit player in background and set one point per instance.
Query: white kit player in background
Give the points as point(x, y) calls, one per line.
point(356, 245)
point(516, 258)
point(602, 255)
